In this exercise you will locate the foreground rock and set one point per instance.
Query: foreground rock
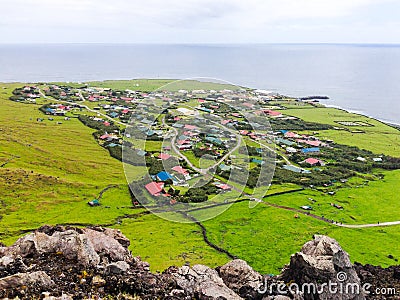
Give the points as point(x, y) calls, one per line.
point(241, 278)
point(203, 282)
point(323, 261)
point(72, 263)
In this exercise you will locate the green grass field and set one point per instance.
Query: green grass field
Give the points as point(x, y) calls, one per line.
point(266, 237)
point(51, 171)
point(363, 201)
point(379, 138)
point(150, 85)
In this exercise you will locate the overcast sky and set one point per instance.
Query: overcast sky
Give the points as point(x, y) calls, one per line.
point(200, 21)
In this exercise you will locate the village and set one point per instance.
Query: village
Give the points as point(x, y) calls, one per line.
point(214, 142)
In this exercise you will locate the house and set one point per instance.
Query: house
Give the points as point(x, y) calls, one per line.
point(164, 156)
point(190, 127)
point(224, 122)
point(112, 145)
point(285, 142)
point(154, 188)
point(310, 143)
point(314, 162)
point(184, 142)
point(296, 169)
point(377, 159)
point(164, 176)
point(214, 140)
point(257, 161)
point(94, 202)
point(362, 159)
point(182, 171)
point(205, 109)
point(310, 150)
point(291, 150)
point(141, 153)
point(306, 207)
point(185, 147)
point(104, 136)
point(113, 114)
point(290, 134)
point(223, 186)
point(183, 137)
point(224, 167)
point(273, 113)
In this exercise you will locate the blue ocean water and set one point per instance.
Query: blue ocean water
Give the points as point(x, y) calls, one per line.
point(363, 78)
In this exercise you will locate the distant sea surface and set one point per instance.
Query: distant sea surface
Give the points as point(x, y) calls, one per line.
point(361, 78)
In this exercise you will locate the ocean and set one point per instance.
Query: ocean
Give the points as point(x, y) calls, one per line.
point(360, 78)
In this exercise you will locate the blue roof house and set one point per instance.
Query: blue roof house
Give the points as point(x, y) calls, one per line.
point(164, 176)
point(309, 150)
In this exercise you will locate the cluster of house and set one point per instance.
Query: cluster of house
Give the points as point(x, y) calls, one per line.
point(293, 143)
point(207, 137)
point(177, 176)
point(27, 94)
point(58, 109)
point(31, 92)
point(111, 140)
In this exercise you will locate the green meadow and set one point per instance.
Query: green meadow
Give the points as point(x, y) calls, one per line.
point(378, 138)
point(50, 171)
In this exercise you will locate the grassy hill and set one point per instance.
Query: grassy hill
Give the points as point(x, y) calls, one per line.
point(50, 171)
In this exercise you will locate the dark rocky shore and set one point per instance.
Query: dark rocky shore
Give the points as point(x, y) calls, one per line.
point(94, 263)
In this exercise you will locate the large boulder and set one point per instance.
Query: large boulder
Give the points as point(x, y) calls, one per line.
point(241, 278)
point(109, 243)
point(204, 283)
point(36, 280)
point(86, 246)
point(323, 261)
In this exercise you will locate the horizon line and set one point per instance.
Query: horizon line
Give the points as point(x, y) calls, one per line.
point(200, 43)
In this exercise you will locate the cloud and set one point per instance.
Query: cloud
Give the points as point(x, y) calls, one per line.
point(173, 18)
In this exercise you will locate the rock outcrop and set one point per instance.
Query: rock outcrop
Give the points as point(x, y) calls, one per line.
point(77, 263)
point(241, 278)
point(323, 261)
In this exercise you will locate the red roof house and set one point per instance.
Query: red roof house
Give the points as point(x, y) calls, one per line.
point(290, 134)
point(272, 113)
point(190, 127)
point(164, 156)
point(223, 187)
point(314, 162)
point(154, 188)
point(180, 170)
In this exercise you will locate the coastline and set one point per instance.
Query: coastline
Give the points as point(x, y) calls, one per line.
point(364, 114)
point(320, 101)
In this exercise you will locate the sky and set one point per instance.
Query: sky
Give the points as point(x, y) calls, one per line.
point(200, 21)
